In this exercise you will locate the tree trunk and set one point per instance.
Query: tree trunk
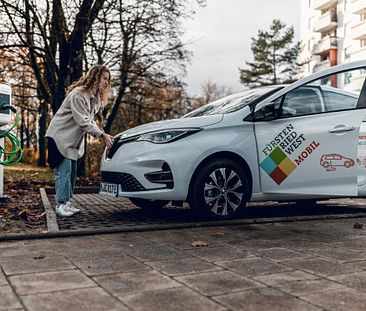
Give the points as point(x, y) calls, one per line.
point(43, 111)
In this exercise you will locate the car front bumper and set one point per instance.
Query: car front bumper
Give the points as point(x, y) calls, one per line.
point(132, 163)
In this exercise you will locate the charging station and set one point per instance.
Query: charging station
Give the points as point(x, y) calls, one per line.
point(7, 157)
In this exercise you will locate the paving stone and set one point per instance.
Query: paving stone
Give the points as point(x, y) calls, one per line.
point(306, 287)
point(11, 251)
point(360, 264)
point(182, 266)
point(321, 267)
point(339, 254)
point(303, 245)
point(253, 266)
point(357, 245)
point(87, 253)
point(183, 239)
point(89, 299)
point(216, 283)
point(22, 248)
point(340, 299)
point(171, 299)
point(219, 253)
point(8, 299)
point(49, 281)
point(153, 251)
point(263, 299)
point(109, 264)
point(356, 280)
point(279, 254)
point(284, 277)
point(31, 264)
point(248, 244)
point(3, 280)
point(127, 283)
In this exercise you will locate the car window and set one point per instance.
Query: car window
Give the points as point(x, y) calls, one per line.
point(302, 101)
point(337, 101)
point(330, 93)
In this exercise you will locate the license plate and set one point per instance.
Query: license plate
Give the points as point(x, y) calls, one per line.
point(109, 189)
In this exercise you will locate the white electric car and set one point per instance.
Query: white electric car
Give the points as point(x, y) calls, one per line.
point(267, 143)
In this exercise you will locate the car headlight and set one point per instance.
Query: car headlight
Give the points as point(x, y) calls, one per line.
point(167, 136)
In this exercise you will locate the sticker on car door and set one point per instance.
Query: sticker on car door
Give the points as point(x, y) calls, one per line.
point(284, 153)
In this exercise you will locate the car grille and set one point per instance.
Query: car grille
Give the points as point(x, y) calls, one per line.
point(127, 181)
point(118, 142)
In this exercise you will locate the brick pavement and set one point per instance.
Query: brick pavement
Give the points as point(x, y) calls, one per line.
point(312, 265)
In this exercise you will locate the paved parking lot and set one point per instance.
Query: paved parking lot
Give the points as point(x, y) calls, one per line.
point(102, 213)
point(300, 265)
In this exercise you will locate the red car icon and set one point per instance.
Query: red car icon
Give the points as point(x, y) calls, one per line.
point(330, 161)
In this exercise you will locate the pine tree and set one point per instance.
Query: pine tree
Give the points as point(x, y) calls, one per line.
point(275, 56)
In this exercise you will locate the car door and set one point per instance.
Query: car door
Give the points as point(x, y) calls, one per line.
point(306, 125)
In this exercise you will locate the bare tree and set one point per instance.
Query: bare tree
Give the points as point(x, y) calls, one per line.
point(141, 41)
point(55, 44)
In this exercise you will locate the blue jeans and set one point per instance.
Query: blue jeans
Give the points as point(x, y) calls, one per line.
point(65, 176)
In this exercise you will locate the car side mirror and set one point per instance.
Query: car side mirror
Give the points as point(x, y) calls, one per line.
point(267, 113)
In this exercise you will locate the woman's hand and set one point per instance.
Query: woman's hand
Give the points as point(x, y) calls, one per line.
point(107, 140)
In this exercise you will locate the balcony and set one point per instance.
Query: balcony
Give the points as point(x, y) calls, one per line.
point(324, 4)
point(359, 54)
point(358, 6)
point(321, 66)
point(324, 45)
point(326, 22)
point(359, 31)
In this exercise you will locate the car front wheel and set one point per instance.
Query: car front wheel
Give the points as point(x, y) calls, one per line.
point(149, 204)
point(219, 190)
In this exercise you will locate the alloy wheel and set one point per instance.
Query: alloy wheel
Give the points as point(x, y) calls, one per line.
point(223, 191)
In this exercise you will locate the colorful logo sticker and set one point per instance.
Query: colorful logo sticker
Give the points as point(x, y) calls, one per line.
point(278, 166)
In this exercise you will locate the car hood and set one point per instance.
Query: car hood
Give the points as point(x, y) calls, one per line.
point(173, 124)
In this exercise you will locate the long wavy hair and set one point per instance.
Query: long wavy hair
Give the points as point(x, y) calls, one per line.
point(90, 80)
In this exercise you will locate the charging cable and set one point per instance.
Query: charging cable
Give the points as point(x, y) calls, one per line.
point(9, 157)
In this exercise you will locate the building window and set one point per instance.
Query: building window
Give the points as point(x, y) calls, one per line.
point(363, 43)
point(345, 4)
point(309, 2)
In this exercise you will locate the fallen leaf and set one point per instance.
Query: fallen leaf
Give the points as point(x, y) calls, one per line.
point(39, 257)
point(357, 226)
point(219, 233)
point(199, 243)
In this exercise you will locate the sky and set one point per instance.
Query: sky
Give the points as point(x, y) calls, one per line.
point(219, 35)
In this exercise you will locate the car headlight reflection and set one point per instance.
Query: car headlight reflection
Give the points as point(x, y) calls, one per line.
point(166, 136)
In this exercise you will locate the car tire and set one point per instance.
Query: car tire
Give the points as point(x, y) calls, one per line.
point(348, 164)
point(219, 190)
point(149, 204)
point(325, 164)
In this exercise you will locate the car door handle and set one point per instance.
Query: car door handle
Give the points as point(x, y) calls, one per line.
point(341, 129)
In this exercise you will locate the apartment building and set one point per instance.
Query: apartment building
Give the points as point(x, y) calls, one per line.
point(333, 32)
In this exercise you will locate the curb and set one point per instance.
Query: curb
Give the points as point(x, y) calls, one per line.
point(51, 217)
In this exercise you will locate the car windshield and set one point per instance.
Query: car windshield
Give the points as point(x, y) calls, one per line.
point(232, 102)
